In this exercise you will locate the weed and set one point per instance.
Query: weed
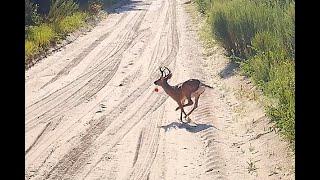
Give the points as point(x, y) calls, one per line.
point(30, 49)
point(71, 23)
point(41, 35)
point(251, 148)
point(260, 36)
point(251, 167)
point(60, 9)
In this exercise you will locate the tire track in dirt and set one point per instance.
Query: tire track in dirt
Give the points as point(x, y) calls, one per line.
point(118, 133)
point(84, 53)
point(148, 107)
point(169, 58)
point(107, 59)
point(101, 122)
point(37, 139)
point(148, 148)
point(102, 75)
point(95, 84)
point(214, 163)
point(73, 161)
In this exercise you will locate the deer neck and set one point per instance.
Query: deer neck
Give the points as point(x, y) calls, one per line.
point(169, 89)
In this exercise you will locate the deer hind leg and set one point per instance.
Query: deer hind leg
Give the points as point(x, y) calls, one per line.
point(197, 96)
point(195, 105)
point(190, 102)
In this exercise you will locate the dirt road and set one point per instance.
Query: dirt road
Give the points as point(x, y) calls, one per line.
point(92, 113)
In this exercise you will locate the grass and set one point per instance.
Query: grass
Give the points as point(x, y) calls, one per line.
point(260, 36)
point(44, 30)
point(71, 23)
point(39, 38)
point(251, 167)
point(63, 17)
point(41, 35)
point(59, 9)
point(30, 48)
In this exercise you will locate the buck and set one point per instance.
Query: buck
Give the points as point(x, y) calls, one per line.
point(181, 92)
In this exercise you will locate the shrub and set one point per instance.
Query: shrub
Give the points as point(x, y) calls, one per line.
point(282, 85)
point(237, 22)
point(202, 5)
point(71, 23)
point(41, 35)
point(95, 6)
point(261, 34)
point(60, 9)
point(30, 49)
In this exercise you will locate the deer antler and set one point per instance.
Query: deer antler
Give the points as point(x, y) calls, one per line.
point(169, 72)
point(161, 70)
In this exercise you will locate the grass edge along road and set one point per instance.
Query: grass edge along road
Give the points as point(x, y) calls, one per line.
point(260, 37)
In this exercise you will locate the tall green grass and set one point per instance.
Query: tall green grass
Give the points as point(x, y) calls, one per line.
point(41, 35)
point(71, 23)
point(30, 49)
point(236, 23)
point(261, 34)
point(60, 9)
point(62, 18)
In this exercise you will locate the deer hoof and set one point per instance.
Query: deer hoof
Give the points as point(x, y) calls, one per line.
point(188, 119)
point(181, 121)
point(177, 108)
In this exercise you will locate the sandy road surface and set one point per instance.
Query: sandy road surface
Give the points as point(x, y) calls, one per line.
point(91, 112)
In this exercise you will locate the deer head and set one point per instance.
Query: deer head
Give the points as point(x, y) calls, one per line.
point(164, 77)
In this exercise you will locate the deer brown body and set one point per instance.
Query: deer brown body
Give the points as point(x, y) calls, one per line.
point(183, 91)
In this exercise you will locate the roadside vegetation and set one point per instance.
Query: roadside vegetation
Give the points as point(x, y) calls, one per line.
point(259, 35)
point(49, 21)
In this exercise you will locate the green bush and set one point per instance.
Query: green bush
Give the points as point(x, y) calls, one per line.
point(71, 23)
point(261, 34)
point(282, 85)
point(202, 5)
point(30, 49)
point(266, 41)
point(62, 18)
point(60, 9)
point(41, 35)
point(94, 6)
point(237, 22)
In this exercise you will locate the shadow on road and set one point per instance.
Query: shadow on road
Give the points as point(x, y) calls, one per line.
point(125, 5)
point(229, 70)
point(189, 127)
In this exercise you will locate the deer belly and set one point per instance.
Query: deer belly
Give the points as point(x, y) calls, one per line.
point(198, 92)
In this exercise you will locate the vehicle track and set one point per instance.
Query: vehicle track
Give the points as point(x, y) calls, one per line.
point(102, 75)
point(97, 116)
point(68, 103)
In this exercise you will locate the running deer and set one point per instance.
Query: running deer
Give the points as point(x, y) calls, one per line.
point(180, 92)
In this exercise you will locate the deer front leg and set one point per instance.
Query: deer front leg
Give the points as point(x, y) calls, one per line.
point(182, 111)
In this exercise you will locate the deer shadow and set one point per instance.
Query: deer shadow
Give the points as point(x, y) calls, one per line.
point(187, 126)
